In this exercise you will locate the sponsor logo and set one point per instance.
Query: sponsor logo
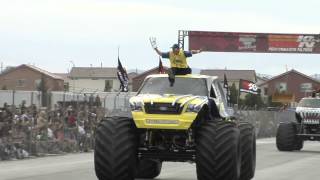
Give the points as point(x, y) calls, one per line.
point(163, 108)
point(247, 42)
point(292, 43)
point(307, 41)
point(158, 121)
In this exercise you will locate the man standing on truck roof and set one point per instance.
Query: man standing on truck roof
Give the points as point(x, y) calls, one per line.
point(178, 60)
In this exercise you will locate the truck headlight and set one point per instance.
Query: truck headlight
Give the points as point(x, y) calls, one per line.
point(193, 108)
point(136, 106)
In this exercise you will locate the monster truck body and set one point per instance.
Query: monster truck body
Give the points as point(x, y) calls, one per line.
point(290, 136)
point(159, 106)
point(308, 114)
point(187, 122)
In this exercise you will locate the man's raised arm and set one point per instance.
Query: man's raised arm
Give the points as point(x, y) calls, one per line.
point(153, 43)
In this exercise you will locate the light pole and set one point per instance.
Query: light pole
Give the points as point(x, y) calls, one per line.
point(73, 82)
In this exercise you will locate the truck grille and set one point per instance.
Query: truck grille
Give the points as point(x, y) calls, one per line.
point(311, 121)
point(310, 115)
point(311, 118)
point(162, 108)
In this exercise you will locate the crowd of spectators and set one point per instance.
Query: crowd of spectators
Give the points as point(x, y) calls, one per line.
point(32, 131)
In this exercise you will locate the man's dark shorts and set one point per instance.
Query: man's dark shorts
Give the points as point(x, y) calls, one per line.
point(172, 72)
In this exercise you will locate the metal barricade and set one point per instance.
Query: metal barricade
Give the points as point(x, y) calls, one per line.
point(71, 127)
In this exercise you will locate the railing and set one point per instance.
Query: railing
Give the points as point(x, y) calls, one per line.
point(32, 131)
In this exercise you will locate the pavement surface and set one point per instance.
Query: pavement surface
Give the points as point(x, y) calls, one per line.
point(271, 164)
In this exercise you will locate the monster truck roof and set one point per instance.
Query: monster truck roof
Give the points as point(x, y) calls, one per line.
point(190, 87)
point(208, 79)
point(186, 76)
point(309, 102)
point(317, 97)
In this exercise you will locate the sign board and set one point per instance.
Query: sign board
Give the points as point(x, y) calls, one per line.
point(254, 42)
point(283, 98)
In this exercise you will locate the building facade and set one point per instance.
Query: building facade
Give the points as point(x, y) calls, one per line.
point(93, 79)
point(289, 84)
point(233, 76)
point(138, 79)
point(28, 78)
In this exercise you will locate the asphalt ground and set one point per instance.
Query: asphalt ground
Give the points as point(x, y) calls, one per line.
point(271, 164)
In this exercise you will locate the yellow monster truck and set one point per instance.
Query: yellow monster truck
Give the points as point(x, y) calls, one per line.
point(188, 122)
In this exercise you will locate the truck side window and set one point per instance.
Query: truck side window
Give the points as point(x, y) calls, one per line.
point(212, 93)
point(222, 92)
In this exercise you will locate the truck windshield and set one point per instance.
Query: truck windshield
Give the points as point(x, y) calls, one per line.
point(161, 85)
point(312, 103)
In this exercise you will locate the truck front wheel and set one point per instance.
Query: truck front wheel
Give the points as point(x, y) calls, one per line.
point(115, 149)
point(287, 139)
point(148, 169)
point(218, 153)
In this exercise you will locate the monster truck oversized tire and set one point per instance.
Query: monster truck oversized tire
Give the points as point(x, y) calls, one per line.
point(218, 151)
point(286, 138)
point(148, 169)
point(115, 149)
point(248, 150)
point(299, 145)
point(300, 142)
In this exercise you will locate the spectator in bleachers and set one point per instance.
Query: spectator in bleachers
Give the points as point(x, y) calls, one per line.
point(58, 130)
point(72, 119)
point(98, 101)
point(91, 101)
point(25, 130)
point(42, 126)
point(23, 106)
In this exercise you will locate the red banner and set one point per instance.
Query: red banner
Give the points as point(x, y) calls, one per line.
point(254, 42)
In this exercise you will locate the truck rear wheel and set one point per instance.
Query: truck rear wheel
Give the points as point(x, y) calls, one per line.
point(115, 149)
point(218, 153)
point(248, 151)
point(148, 169)
point(286, 138)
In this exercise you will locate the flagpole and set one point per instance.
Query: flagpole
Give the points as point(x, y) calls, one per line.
point(120, 89)
point(118, 51)
point(238, 97)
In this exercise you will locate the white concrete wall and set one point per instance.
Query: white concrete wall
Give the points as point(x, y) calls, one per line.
point(89, 85)
point(16, 97)
point(110, 100)
point(34, 97)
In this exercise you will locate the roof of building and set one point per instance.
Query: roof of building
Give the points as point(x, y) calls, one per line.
point(34, 68)
point(291, 71)
point(93, 72)
point(65, 76)
point(149, 71)
point(261, 78)
point(231, 74)
point(131, 75)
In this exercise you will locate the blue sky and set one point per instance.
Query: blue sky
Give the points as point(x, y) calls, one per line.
point(51, 33)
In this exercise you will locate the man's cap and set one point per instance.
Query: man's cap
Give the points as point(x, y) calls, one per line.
point(175, 46)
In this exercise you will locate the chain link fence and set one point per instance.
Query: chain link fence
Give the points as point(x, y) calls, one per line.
point(68, 124)
point(266, 122)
